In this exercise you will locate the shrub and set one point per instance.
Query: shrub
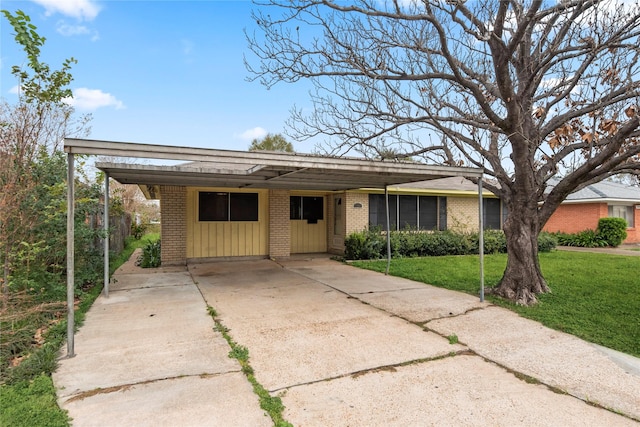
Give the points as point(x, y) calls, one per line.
point(583, 239)
point(547, 242)
point(371, 244)
point(495, 242)
point(138, 230)
point(613, 231)
point(366, 244)
point(150, 257)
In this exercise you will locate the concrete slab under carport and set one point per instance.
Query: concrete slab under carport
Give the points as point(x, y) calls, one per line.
point(303, 332)
point(408, 299)
point(148, 355)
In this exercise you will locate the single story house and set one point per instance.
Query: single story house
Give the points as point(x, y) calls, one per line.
point(224, 203)
point(582, 209)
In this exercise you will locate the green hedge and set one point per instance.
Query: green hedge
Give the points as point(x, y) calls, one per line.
point(610, 232)
point(372, 244)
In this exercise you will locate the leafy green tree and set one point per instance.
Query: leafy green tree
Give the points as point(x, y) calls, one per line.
point(33, 195)
point(272, 142)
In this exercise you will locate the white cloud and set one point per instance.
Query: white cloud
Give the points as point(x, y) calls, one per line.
point(92, 99)
point(69, 30)
point(79, 9)
point(15, 90)
point(251, 134)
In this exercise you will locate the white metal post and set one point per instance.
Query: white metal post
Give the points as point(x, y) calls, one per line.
point(106, 235)
point(386, 205)
point(70, 255)
point(481, 239)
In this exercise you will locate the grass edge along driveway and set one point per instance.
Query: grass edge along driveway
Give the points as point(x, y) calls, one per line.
point(593, 296)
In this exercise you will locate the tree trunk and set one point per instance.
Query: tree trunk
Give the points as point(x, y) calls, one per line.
point(522, 279)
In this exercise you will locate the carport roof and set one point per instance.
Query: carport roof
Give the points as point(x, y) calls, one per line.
point(255, 169)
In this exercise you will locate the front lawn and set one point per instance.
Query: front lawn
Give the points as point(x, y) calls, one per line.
point(594, 296)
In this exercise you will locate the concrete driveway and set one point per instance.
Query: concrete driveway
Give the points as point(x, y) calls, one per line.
point(340, 346)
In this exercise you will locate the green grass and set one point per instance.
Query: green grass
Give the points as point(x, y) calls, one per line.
point(594, 296)
point(28, 397)
point(31, 404)
point(131, 245)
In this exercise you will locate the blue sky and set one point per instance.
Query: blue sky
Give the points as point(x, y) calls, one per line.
point(158, 72)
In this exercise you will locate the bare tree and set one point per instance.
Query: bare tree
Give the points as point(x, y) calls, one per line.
point(523, 89)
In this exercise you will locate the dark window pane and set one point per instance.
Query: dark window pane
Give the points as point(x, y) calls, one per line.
point(295, 207)
point(408, 212)
point(491, 214)
point(312, 209)
point(428, 213)
point(213, 206)
point(377, 211)
point(243, 206)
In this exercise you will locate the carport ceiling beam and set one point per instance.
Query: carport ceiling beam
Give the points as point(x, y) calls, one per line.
point(163, 152)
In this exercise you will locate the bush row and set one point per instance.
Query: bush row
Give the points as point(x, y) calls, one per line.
point(372, 243)
point(610, 232)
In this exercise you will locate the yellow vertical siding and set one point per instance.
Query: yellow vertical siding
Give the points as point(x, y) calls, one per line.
point(309, 238)
point(208, 239)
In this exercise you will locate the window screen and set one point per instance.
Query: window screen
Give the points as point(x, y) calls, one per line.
point(423, 212)
point(408, 212)
point(428, 213)
point(218, 206)
point(243, 207)
point(491, 214)
point(306, 207)
point(377, 215)
point(624, 212)
point(213, 206)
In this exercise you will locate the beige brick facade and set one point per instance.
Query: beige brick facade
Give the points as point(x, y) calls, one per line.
point(462, 214)
point(356, 212)
point(173, 208)
point(353, 208)
point(279, 224)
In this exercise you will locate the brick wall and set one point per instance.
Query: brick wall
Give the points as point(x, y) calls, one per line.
point(573, 218)
point(462, 214)
point(279, 224)
point(173, 209)
point(633, 234)
point(356, 219)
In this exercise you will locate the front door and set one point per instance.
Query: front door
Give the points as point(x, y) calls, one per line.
point(308, 224)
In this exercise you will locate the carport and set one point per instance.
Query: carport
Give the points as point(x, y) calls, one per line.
point(240, 169)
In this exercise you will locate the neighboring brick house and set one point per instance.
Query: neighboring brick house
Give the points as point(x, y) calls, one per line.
point(582, 209)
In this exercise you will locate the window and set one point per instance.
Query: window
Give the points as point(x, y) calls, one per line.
point(218, 206)
point(491, 214)
point(624, 212)
point(309, 208)
point(416, 212)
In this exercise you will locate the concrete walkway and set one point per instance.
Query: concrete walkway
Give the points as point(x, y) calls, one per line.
point(628, 250)
point(340, 346)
